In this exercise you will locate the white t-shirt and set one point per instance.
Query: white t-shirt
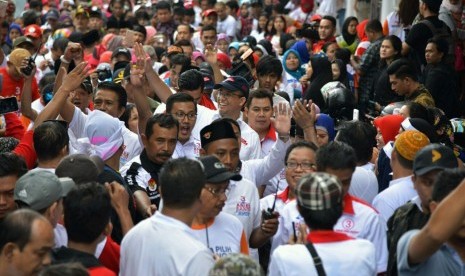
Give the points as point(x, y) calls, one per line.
point(399, 192)
point(163, 245)
point(228, 26)
point(190, 149)
point(225, 235)
point(339, 254)
point(132, 146)
point(364, 184)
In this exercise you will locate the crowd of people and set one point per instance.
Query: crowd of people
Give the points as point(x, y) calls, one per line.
point(232, 137)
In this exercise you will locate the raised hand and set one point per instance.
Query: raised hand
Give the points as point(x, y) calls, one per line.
point(24, 64)
point(73, 52)
point(211, 54)
point(74, 79)
point(282, 119)
point(304, 113)
point(138, 68)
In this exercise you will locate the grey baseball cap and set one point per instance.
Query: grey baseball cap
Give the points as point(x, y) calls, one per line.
point(39, 189)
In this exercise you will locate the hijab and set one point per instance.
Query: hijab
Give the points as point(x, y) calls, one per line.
point(301, 48)
point(297, 73)
point(326, 123)
point(389, 126)
point(15, 27)
point(322, 74)
point(349, 38)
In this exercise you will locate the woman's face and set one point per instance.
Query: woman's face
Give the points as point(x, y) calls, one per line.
point(322, 137)
point(292, 62)
point(336, 71)
point(279, 24)
point(379, 140)
point(222, 45)
point(352, 28)
point(331, 52)
point(387, 51)
point(269, 26)
point(14, 33)
point(232, 52)
point(262, 22)
point(133, 121)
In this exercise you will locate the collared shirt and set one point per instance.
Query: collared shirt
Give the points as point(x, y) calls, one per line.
point(399, 192)
point(163, 245)
point(421, 96)
point(268, 141)
point(227, 26)
point(167, 28)
point(359, 220)
point(445, 261)
point(339, 253)
point(190, 149)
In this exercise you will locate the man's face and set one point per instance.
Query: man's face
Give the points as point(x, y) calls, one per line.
point(398, 85)
point(163, 16)
point(221, 10)
point(326, 29)
point(36, 253)
point(139, 37)
point(424, 186)
point(174, 75)
point(7, 188)
point(304, 159)
point(161, 144)
point(213, 198)
point(204, 5)
point(268, 81)
point(227, 151)
point(81, 22)
point(186, 115)
point(80, 98)
point(259, 114)
point(95, 23)
point(432, 55)
point(107, 101)
point(230, 103)
point(184, 33)
point(53, 23)
point(208, 37)
point(344, 175)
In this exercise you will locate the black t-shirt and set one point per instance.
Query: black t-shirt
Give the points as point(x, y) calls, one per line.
point(418, 37)
point(109, 175)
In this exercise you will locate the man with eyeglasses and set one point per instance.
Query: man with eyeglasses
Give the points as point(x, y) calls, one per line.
point(232, 96)
point(221, 232)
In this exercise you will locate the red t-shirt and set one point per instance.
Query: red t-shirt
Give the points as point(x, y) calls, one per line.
point(12, 87)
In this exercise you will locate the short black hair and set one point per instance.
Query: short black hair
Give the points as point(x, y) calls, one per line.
point(181, 187)
point(180, 59)
point(209, 28)
point(16, 227)
point(374, 26)
point(49, 140)
point(65, 269)
point(321, 220)
point(87, 211)
point(163, 120)
point(361, 136)
point(269, 64)
point(184, 42)
point(233, 5)
point(141, 29)
point(330, 18)
point(407, 164)
point(12, 164)
point(48, 78)
point(163, 5)
point(117, 89)
point(191, 30)
point(60, 44)
point(259, 93)
point(336, 155)
point(441, 44)
point(402, 68)
point(29, 17)
point(179, 98)
point(446, 182)
point(190, 80)
point(297, 145)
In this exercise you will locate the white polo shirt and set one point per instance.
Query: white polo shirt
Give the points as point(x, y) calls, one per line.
point(204, 118)
point(339, 253)
point(227, 26)
point(397, 194)
point(364, 184)
point(163, 245)
point(132, 145)
point(358, 220)
point(223, 235)
point(190, 149)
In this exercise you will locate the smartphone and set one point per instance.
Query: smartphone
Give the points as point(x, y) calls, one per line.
point(8, 105)
point(130, 39)
point(3, 6)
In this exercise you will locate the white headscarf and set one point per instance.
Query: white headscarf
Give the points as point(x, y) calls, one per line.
point(103, 135)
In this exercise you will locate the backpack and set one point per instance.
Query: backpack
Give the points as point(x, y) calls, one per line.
point(443, 33)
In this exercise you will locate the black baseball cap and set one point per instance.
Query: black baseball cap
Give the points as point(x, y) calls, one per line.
point(433, 157)
point(234, 83)
point(216, 172)
point(121, 51)
point(217, 130)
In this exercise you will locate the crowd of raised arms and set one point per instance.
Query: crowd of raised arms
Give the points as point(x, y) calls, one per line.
point(232, 137)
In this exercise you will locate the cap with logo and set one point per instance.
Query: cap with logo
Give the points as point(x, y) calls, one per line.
point(52, 14)
point(433, 157)
point(208, 80)
point(217, 130)
point(234, 83)
point(33, 31)
point(409, 142)
point(121, 51)
point(81, 10)
point(319, 191)
point(17, 57)
point(216, 172)
point(20, 40)
point(39, 189)
point(209, 12)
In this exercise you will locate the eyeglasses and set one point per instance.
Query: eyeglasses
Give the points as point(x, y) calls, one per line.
point(228, 95)
point(217, 192)
point(181, 115)
point(303, 165)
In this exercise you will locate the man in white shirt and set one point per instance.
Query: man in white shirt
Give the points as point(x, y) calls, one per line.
point(320, 203)
point(179, 253)
point(226, 23)
point(232, 96)
point(401, 189)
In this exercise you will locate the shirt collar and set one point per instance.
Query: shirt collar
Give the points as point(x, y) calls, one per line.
point(348, 205)
point(271, 135)
point(284, 195)
point(400, 180)
point(324, 236)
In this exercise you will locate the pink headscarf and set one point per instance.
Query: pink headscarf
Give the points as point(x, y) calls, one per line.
point(150, 33)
